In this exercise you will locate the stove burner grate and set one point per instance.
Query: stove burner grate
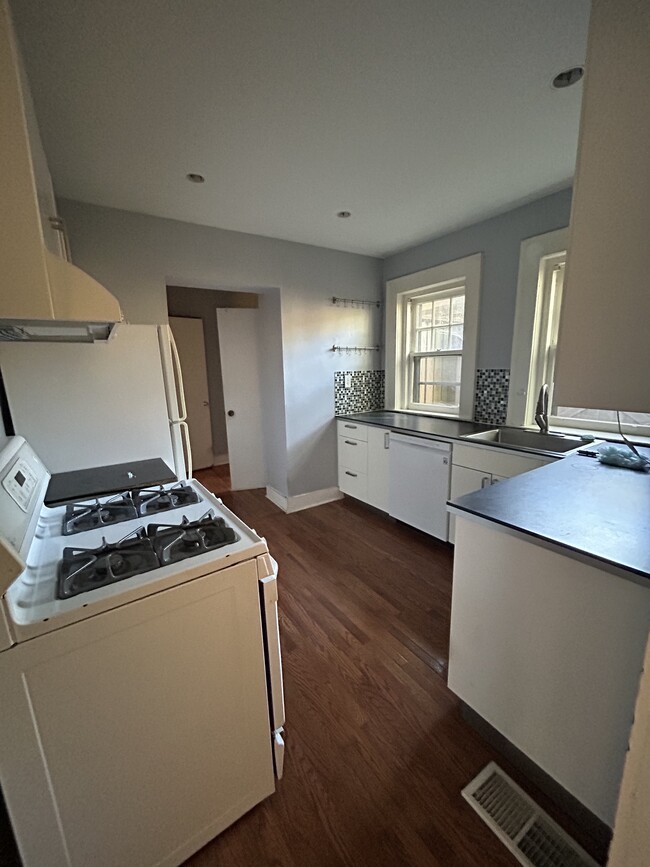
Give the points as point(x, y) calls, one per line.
point(83, 569)
point(150, 501)
point(141, 502)
point(175, 542)
point(88, 516)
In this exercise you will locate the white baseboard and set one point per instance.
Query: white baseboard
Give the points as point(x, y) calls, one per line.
point(219, 460)
point(303, 501)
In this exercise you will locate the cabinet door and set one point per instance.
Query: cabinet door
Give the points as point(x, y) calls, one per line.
point(378, 467)
point(464, 481)
point(24, 284)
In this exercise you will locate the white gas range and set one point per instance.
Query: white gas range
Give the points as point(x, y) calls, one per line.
point(141, 704)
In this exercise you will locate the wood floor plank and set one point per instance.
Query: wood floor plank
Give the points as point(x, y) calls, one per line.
point(377, 751)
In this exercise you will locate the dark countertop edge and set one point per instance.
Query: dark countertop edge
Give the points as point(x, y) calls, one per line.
point(464, 438)
point(549, 542)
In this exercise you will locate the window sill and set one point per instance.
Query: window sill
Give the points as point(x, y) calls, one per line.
point(607, 435)
point(455, 416)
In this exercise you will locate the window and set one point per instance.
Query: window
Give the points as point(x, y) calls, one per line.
point(431, 338)
point(545, 330)
point(537, 322)
point(435, 350)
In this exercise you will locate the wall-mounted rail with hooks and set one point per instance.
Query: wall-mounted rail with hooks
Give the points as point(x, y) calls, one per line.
point(352, 349)
point(354, 302)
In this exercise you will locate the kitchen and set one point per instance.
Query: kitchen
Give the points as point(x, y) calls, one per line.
point(145, 254)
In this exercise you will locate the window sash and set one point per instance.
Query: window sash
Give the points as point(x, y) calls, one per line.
point(413, 356)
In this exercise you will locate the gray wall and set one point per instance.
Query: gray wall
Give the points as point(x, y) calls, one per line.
point(498, 239)
point(137, 256)
point(202, 304)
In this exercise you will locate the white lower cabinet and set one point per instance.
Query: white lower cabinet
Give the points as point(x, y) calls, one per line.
point(378, 467)
point(363, 456)
point(475, 467)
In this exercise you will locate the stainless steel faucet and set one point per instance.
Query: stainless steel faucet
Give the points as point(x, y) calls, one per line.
point(541, 410)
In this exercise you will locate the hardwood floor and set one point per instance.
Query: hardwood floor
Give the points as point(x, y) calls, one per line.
point(377, 751)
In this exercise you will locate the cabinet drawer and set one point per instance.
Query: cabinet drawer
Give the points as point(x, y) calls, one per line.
point(353, 483)
point(353, 431)
point(353, 454)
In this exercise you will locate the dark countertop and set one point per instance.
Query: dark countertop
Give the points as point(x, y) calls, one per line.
point(418, 424)
point(578, 504)
point(112, 479)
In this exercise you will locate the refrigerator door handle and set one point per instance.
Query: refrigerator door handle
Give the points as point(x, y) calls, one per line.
point(179, 379)
point(188, 448)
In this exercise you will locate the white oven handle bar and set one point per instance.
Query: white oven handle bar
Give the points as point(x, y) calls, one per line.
point(269, 599)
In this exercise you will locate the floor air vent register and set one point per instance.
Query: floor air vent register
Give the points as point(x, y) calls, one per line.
point(528, 832)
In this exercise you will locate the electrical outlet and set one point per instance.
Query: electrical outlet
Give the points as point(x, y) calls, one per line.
point(348, 380)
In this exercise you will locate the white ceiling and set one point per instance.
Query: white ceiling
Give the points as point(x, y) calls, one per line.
point(419, 116)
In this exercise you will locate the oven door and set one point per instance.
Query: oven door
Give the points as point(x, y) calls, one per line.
point(271, 628)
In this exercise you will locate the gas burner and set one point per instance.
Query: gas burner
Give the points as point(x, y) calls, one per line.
point(83, 569)
point(174, 542)
point(88, 516)
point(150, 501)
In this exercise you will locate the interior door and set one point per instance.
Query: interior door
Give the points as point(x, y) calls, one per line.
point(238, 345)
point(188, 334)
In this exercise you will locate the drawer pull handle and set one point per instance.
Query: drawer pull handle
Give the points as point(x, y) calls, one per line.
point(485, 481)
point(387, 440)
point(351, 426)
point(348, 473)
point(350, 443)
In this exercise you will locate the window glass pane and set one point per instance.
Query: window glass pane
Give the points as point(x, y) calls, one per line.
point(424, 340)
point(441, 310)
point(441, 338)
point(458, 309)
point(447, 369)
point(436, 380)
point(423, 314)
point(603, 415)
point(456, 337)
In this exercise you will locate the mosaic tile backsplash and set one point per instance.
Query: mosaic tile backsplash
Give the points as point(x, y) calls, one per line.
point(491, 399)
point(366, 391)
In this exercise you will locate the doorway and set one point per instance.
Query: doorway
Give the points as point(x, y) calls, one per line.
point(201, 363)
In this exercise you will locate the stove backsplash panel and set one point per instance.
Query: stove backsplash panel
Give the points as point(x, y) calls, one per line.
point(366, 391)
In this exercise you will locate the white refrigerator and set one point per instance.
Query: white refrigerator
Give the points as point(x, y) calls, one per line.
point(87, 405)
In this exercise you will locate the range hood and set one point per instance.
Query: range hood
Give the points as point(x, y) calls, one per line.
point(77, 308)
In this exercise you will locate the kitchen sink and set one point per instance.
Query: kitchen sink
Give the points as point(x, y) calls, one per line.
point(528, 439)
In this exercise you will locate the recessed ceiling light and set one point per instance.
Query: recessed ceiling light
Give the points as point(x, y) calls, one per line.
point(195, 178)
point(568, 77)
point(344, 214)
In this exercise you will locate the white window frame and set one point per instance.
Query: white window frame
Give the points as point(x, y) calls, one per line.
point(537, 256)
point(440, 278)
point(409, 355)
point(532, 252)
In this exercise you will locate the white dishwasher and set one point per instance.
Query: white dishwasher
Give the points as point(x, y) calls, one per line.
point(419, 483)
